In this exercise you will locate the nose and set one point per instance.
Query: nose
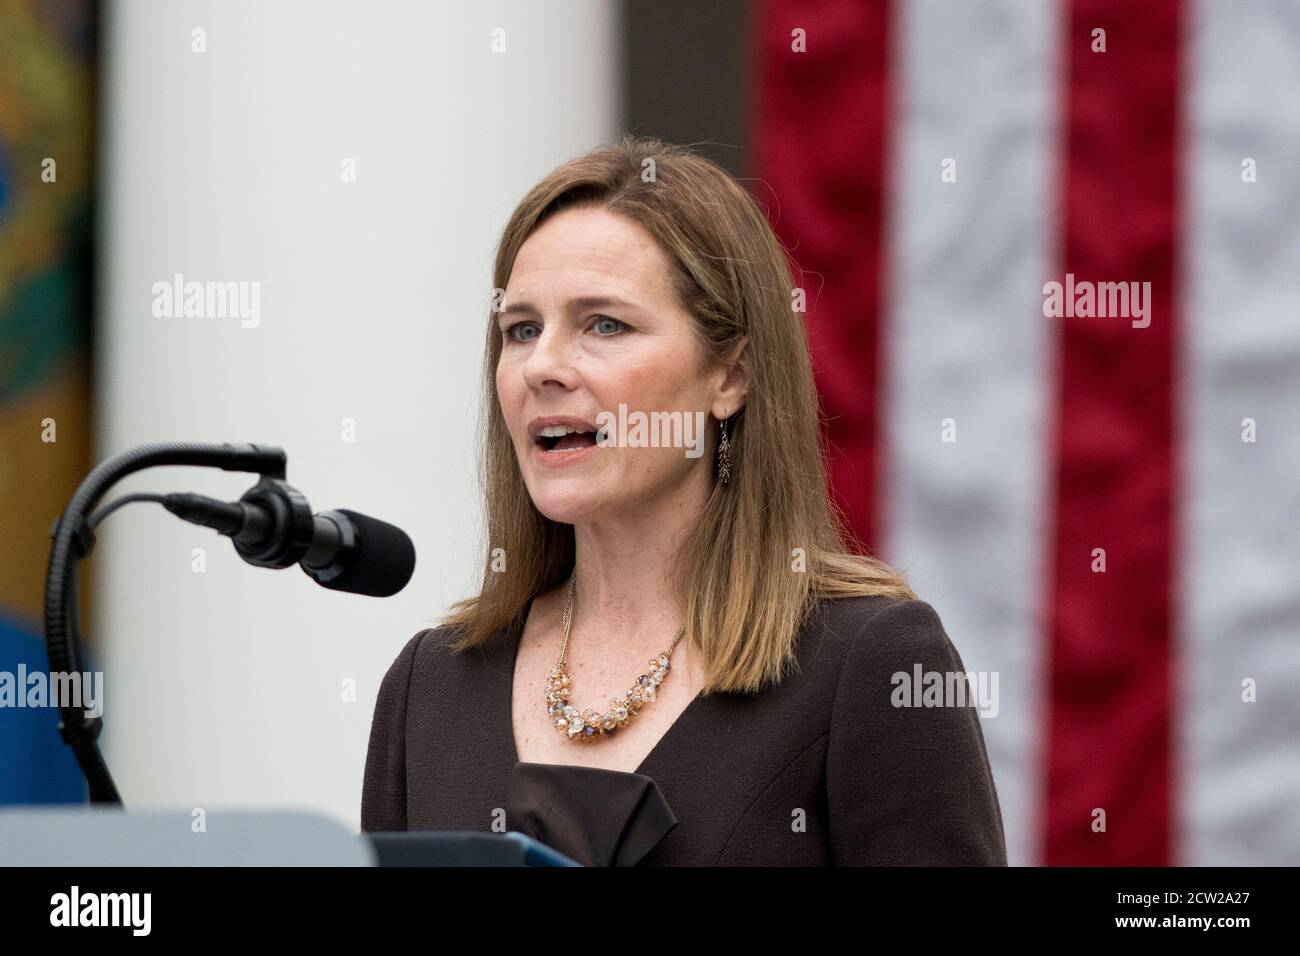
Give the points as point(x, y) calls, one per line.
point(550, 359)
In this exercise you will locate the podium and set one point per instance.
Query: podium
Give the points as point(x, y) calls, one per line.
point(101, 836)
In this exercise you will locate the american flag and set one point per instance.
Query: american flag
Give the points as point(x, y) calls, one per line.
point(1105, 513)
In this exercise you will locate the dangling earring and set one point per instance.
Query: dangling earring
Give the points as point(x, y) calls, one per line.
point(724, 454)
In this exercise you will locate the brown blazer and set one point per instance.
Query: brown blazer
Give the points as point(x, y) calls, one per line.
point(821, 769)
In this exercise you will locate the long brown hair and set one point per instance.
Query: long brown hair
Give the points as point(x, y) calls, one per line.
point(770, 543)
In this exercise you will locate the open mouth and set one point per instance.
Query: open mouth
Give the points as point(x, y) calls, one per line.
point(565, 439)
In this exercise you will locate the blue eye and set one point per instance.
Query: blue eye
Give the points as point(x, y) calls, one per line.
point(510, 332)
point(606, 327)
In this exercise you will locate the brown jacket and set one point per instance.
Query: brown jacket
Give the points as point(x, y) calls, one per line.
point(822, 769)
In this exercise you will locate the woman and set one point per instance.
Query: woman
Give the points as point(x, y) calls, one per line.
point(766, 728)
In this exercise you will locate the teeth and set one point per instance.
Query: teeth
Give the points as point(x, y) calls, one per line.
point(558, 431)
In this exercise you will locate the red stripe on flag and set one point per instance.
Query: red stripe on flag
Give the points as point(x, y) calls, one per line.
point(820, 147)
point(1110, 666)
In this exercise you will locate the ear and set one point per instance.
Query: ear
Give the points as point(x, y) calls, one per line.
point(730, 382)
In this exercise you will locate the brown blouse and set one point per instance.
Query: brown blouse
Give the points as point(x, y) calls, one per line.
point(821, 769)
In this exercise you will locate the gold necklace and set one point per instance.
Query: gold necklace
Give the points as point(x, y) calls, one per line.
point(592, 724)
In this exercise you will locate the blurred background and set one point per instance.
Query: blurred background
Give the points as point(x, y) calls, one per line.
point(1103, 513)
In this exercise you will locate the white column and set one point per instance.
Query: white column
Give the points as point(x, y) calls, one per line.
point(226, 686)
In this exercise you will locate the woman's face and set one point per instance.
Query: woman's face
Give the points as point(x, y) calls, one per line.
point(590, 322)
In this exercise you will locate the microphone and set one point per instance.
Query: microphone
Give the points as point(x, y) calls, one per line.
point(272, 526)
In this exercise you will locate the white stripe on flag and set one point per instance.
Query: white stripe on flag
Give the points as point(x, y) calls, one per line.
point(965, 338)
point(1240, 762)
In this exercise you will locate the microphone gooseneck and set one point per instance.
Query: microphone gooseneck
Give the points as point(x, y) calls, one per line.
point(271, 526)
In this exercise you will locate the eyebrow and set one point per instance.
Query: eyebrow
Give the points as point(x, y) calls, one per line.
point(581, 302)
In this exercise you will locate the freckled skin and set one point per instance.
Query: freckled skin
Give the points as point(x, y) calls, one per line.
point(575, 365)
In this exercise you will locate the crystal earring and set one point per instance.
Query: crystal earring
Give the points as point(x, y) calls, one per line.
point(724, 454)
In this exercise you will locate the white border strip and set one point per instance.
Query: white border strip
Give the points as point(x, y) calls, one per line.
point(1240, 762)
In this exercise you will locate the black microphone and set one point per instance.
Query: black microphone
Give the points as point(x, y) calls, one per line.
point(272, 526)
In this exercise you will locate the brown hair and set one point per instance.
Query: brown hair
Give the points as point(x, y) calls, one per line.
point(744, 601)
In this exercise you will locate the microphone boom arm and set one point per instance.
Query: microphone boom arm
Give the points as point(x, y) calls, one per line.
point(73, 541)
